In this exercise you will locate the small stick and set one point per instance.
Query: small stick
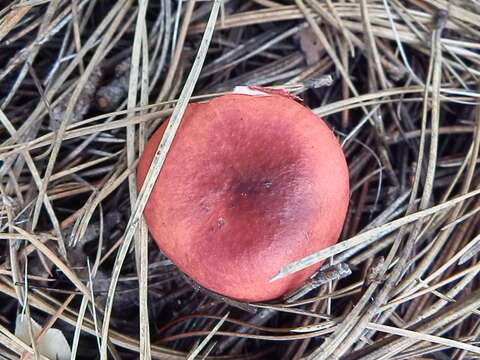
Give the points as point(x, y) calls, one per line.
point(331, 273)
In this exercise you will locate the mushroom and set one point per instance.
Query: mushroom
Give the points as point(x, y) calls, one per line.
point(250, 184)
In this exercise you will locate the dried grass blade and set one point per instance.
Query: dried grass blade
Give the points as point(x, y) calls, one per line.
point(377, 233)
point(418, 336)
point(205, 341)
point(155, 168)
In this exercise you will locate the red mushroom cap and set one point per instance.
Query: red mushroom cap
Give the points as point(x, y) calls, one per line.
point(250, 184)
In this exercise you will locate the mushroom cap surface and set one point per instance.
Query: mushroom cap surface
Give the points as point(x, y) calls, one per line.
point(250, 184)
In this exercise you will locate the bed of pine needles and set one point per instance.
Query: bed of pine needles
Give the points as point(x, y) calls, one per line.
point(85, 82)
